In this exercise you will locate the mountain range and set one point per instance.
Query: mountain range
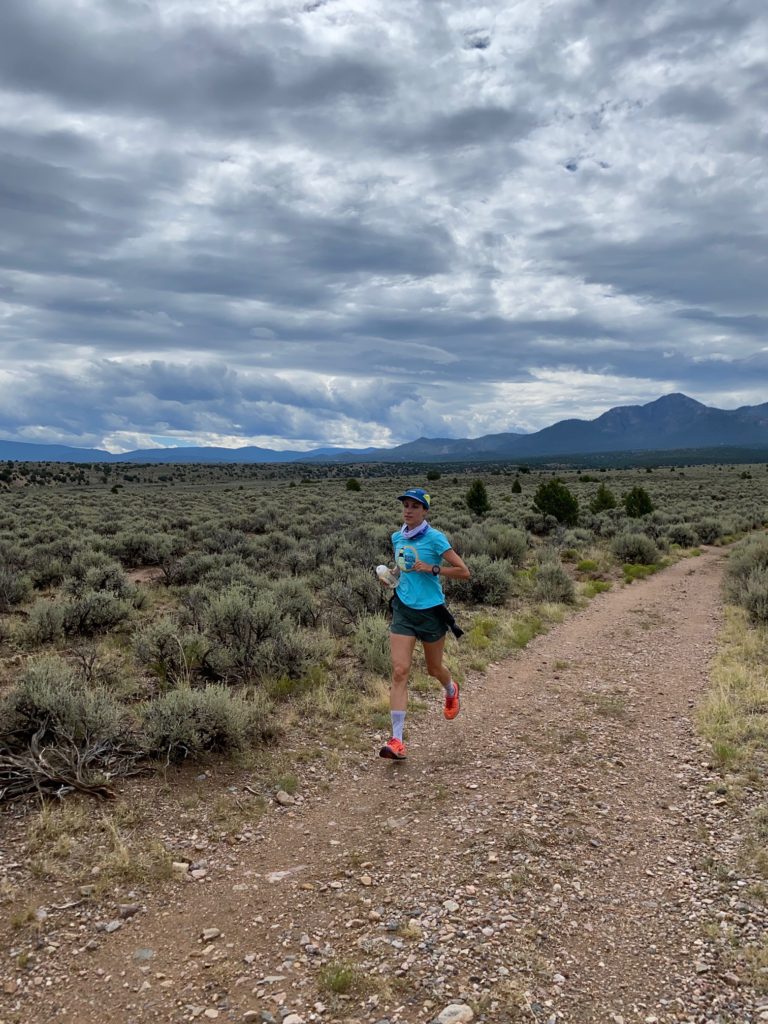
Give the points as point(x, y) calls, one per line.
point(670, 422)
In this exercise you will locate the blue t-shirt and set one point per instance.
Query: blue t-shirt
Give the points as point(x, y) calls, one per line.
point(420, 589)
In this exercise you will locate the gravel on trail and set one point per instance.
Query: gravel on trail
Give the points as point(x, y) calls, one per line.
point(562, 851)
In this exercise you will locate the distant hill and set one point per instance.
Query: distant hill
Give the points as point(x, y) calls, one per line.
point(19, 451)
point(671, 422)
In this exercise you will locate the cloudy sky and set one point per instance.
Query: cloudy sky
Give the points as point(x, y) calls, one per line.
point(354, 222)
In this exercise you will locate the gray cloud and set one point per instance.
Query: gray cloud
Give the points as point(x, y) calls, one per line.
point(335, 222)
point(157, 398)
point(196, 73)
point(719, 269)
point(702, 104)
point(474, 126)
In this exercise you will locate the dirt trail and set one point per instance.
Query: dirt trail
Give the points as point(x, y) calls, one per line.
point(546, 857)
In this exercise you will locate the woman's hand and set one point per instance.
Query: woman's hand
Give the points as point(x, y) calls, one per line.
point(455, 570)
point(419, 566)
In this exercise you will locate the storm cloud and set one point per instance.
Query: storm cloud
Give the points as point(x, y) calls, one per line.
point(355, 222)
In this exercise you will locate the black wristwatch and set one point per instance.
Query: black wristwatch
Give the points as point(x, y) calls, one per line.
point(435, 570)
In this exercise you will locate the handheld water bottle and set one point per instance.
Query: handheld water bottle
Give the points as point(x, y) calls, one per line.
point(387, 575)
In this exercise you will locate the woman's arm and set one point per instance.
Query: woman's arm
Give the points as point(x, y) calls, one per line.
point(455, 570)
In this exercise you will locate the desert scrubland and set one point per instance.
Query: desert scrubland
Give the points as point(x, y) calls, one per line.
point(184, 660)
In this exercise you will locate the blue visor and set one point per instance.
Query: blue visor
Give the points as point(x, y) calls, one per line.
point(418, 494)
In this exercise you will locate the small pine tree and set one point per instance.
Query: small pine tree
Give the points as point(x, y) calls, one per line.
point(604, 499)
point(433, 474)
point(353, 484)
point(477, 498)
point(554, 499)
point(637, 503)
point(516, 487)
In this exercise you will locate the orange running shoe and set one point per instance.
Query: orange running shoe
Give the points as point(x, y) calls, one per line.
point(393, 749)
point(452, 707)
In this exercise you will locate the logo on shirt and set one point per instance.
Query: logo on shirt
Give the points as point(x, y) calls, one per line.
point(406, 557)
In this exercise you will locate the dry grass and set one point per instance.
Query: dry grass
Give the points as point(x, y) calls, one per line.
point(756, 962)
point(734, 715)
point(55, 828)
point(330, 701)
point(607, 704)
point(231, 812)
point(734, 719)
point(342, 978)
point(69, 841)
point(128, 861)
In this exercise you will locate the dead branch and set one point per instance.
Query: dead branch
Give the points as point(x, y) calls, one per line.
point(66, 766)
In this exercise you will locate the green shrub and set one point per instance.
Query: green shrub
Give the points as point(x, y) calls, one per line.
point(231, 572)
point(709, 530)
point(296, 559)
point(433, 474)
point(81, 563)
point(240, 617)
point(603, 500)
point(108, 577)
point(191, 568)
point(525, 629)
point(553, 584)
point(349, 596)
point(578, 538)
point(296, 600)
point(480, 635)
point(477, 640)
point(49, 700)
point(636, 548)
point(370, 642)
point(13, 556)
point(476, 498)
point(517, 487)
point(188, 723)
point(554, 499)
point(592, 587)
point(221, 540)
point(539, 524)
point(340, 978)
point(241, 628)
point(15, 588)
point(587, 565)
point(607, 524)
point(94, 612)
point(44, 624)
point(138, 548)
point(284, 688)
point(251, 639)
point(638, 572)
point(509, 544)
point(755, 595)
point(683, 534)
point(353, 484)
point(637, 503)
point(170, 653)
point(745, 575)
point(48, 572)
point(490, 582)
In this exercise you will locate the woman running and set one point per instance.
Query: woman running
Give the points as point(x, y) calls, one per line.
point(418, 610)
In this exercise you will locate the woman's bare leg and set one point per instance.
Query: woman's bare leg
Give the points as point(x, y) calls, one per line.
point(433, 653)
point(402, 648)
